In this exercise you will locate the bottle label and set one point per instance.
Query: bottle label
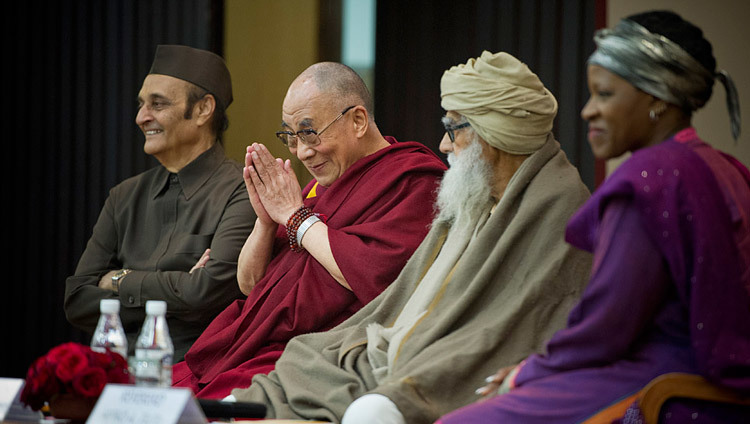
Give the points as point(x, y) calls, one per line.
point(153, 367)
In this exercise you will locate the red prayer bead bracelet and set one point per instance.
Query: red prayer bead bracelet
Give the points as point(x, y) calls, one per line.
point(292, 225)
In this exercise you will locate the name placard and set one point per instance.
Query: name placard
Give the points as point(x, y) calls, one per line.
point(11, 408)
point(125, 404)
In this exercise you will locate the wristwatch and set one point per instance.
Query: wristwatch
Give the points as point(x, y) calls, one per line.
point(117, 278)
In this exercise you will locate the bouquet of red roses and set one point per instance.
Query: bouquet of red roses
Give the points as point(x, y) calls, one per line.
point(72, 368)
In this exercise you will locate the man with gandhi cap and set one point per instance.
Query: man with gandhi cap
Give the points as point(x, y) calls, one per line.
point(491, 281)
point(174, 232)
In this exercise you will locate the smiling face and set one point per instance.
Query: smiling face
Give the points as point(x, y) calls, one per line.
point(161, 117)
point(305, 107)
point(617, 113)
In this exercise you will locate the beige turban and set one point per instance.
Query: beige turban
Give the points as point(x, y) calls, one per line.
point(505, 103)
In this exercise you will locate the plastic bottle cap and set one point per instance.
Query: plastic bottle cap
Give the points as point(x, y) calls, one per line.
point(156, 307)
point(109, 306)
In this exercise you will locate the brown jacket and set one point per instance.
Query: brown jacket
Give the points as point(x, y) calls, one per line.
point(159, 224)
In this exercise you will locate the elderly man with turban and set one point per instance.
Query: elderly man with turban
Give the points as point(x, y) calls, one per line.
point(492, 279)
point(174, 232)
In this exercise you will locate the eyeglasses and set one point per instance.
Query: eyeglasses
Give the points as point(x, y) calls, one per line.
point(450, 129)
point(308, 136)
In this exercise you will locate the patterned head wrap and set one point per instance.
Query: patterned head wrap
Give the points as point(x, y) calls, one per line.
point(505, 103)
point(660, 67)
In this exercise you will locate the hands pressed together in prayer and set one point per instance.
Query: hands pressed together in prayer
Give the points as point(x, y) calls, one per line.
point(276, 195)
point(272, 186)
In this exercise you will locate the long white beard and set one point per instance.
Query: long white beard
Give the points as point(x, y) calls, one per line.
point(465, 191)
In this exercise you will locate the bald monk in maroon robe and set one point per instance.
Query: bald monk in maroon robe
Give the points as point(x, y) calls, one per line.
point(317, 255)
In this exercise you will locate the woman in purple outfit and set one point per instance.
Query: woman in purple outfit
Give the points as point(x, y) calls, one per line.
point(670, 233)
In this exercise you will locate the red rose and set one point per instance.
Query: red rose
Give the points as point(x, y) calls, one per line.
point(56, 354)
point(41, 383)
point(46, 381)
point(113, 364)
point(30, 393)
point(31, 375)
point(33, 400)
point(90, 382)
point(120, 362)
point(72, 368)
point(118, 376)
point(70, 362)
point(98, 359)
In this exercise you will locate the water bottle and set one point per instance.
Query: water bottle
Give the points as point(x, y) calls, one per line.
point(153, 348)
point(109, 332)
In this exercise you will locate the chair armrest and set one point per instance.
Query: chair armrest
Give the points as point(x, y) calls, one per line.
point(682, 385)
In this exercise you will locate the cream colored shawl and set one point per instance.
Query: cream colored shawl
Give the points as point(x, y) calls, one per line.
point(384, 343)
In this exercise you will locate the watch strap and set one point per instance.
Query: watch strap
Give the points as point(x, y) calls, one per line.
point(117, 279)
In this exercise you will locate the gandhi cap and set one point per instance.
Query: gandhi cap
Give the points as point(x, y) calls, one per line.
point(200, 67)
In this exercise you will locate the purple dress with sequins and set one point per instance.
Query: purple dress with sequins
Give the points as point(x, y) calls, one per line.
point(669, 289)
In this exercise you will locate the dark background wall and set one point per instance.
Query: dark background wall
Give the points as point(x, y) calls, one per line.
point(73, 68)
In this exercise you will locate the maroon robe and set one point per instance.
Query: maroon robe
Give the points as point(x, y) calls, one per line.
point(378, 212)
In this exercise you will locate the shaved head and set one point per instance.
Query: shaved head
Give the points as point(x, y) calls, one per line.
point(340, 82)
